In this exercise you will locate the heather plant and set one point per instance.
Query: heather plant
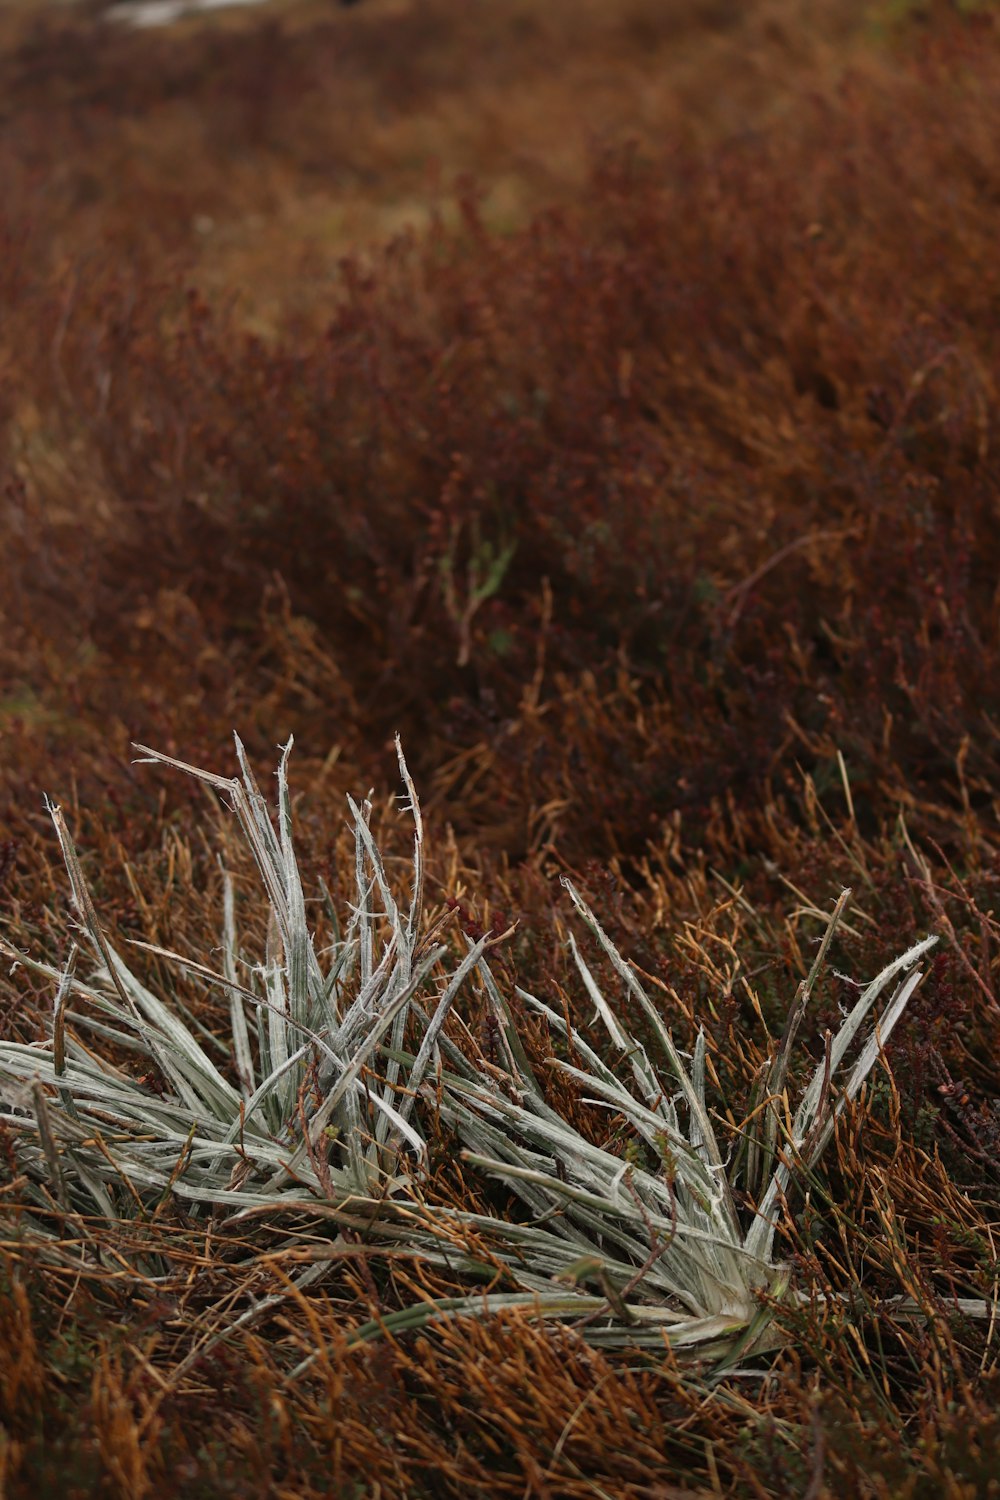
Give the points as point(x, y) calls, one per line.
point(566, 452)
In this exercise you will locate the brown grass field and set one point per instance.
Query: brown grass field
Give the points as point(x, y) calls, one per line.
point(602, 397)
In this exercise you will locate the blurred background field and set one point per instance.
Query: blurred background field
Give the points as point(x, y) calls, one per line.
point(602, 396)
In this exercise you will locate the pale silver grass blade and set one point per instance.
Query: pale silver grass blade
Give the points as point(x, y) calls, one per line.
point(714, 1283)
point(612, 1026)
point(316, 1040)
point(399, 949)
point(486, 1133)
point(20, 1064)
point(653, 1130)
point(382, 1021)
point(598, 1068)
point(96, 1092)
point(645, 1077)
point(774, 1082)
point(167, 1055)
point(608, 1209)
point(352, 935)
point(202, 1033)
point(375, 859)
point(206, 1163)
point(277, 1017)
point(120, 1162)
point(517, 1058)
point(260, 830)
point(242, 1052)
point(359, 1058)
point(648, 1124)
point(884, 1028)
point(251, 811)
point(663, 1037)
point(845, 1036)
point(809, 1103)
point(557, 1252)
point(336, 979)
point(295, 1200)
point(168, 1040)
point(698, 1144)
point(101, 1002)
point(239, 1128)
point(460, 1065)
point(365, 1003)
point(509, 1242)
point(779, 1068)
point(224, 981)
point(548, 1130)
point(760, 1236)
point(148, 756)
point(392, 1070)
point(304, 977)
point(297, 942)
point(364, 890)
point(246, 802)
point(129, 1042)
point(85, 906)
point(265, 1089)
point(263, 1045)
point(351, 1133)
point(395, 1121)
point(406, 940)
point(331, 911)
point(183, 1057)
point(417, 896)
point(706, 1271)
point(474, 1127)
point(586, 1162)
point(63, 990)
point(615, 1095)
point(433, 1032)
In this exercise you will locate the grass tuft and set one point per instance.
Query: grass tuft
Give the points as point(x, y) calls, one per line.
point(339, 1071)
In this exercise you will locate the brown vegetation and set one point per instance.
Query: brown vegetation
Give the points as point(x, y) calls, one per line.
point(647, 484)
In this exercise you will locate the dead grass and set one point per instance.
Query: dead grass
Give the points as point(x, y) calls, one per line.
point(731, 400)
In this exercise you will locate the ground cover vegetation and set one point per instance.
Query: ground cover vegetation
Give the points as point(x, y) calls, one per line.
point(602, 399)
